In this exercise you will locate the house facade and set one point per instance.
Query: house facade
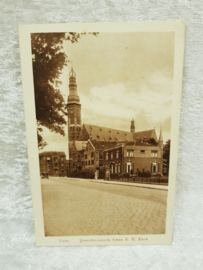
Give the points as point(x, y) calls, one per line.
point(131, 157)
point(76, 151)
point(113, 158)
point(53, 163)
point(93, 154)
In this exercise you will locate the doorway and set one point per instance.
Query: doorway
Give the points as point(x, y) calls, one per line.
point(154, 168)
point(129, 167)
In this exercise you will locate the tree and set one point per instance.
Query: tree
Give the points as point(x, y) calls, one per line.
point(48, 61)
point(166, 151)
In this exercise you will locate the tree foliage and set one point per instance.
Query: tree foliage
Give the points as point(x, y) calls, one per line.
point(48, 61)
point(166, 151)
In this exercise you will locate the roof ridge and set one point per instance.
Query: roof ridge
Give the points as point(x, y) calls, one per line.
point(106, 128)
point(117, 129)
point(144, 130)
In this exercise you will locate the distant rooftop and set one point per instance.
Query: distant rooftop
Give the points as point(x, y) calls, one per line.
point(52, 153)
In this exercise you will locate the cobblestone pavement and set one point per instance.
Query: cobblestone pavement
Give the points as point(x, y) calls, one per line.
point(73, 207)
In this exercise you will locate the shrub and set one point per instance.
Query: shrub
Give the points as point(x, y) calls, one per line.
point(126, 175)
point(114, 176)
point(102, 169)
point(85, 173)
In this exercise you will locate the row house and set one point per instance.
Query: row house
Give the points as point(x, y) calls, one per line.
point(93, 154)
point(76, 152)
point(130, 157)
point(53, 163)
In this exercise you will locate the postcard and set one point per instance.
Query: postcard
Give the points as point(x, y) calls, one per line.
point(102, 110)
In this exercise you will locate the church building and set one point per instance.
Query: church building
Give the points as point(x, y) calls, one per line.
point(79, 135)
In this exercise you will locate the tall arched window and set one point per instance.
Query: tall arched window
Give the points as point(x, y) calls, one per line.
point(111, 168)
point(116, 168)
point(119, 167)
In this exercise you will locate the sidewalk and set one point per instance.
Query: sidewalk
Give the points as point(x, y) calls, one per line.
point(122, 183)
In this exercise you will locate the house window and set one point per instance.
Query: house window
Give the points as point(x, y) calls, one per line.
point(142, 151)
point(88, 162)
point(55, 158)
point(111, 155)
point(116, 168)
point(72, 120)
point(111, 168)
point(92, 154)
point(61, 159)
point(85, 156)
point(153, 153)
point(119, 167)
point(117, 154)
point(130, 153)
point(55, 164)
point(107, 156)
point(62, 164)
point(92, 162)
point(128, 168)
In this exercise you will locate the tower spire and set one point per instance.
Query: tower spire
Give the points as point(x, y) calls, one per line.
point(73, 108)
point(161, 137)
point(132, 127)
point(73, 95)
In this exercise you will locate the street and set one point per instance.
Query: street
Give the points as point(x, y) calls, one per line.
point(86, 207)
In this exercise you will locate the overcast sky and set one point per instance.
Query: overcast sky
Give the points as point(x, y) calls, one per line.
point(120, 76)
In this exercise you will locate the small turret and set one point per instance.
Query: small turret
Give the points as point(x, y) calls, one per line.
point(132, 127)
point(160, 137)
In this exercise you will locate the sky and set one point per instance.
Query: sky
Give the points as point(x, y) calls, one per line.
point(120, 76)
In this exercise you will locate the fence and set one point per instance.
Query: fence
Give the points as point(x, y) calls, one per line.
point(137, 179)
point(123, 177)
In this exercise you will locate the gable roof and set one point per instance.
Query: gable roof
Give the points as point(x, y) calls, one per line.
point(102, 145)
point(80, 145)
point(98, 133)
point(146, 133)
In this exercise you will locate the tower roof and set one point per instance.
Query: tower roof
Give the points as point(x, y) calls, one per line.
point(73, 95)
point(72, 73)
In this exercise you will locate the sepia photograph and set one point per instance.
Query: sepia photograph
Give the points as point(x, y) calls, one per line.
point(103, 103)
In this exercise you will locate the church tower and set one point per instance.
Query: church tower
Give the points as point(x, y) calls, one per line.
point(74, 109)
point(132, 127)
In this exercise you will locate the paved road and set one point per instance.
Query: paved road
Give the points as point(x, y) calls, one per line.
point(83, 207)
